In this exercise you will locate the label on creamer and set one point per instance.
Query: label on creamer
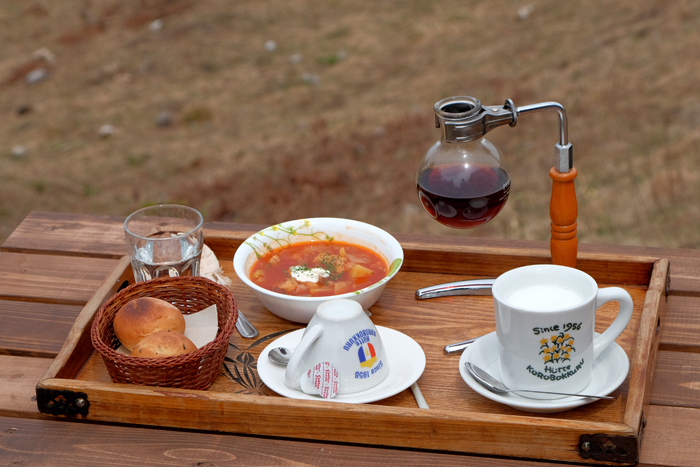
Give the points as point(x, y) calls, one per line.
point(322, 379)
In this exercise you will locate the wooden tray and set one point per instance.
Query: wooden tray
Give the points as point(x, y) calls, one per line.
point(459, 419)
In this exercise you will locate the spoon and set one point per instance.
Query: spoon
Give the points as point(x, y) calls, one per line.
point(280, 355)
point(458, 346)
point(494, 385)
point(468, 287)
point(245, 327)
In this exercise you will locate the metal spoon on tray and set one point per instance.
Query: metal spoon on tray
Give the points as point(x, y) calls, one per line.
point(494, 385)
point(280, 355)
point(245, 327)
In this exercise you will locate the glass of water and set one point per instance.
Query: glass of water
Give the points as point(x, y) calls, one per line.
point(164, 241)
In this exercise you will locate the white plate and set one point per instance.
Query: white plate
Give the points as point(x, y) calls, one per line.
point(609, 371)
point(406, 361)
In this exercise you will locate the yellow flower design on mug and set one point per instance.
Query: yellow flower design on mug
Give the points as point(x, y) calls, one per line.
point(560, 349)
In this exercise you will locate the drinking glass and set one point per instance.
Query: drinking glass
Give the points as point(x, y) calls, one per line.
point(164, 240)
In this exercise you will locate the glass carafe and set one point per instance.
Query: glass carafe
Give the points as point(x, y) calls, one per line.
point(462, 183)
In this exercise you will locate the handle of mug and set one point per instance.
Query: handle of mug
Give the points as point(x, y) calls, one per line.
point(623, 317)
point(290, 378)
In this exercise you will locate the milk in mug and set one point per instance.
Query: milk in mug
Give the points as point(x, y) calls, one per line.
point(544, 297)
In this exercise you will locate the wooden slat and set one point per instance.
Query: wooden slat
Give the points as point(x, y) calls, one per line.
point(19, 376)
point(102, 236)
point(677, 380)
point(46, 442)
point(643, 361)
point(89, 235)
point(34, 329)
point(49, 442)
point(685, 264)
point(51, 279)
point(671, 437)
point(681, 330)
point(318, 420)
point(487, 261)
point(684, 270)
point(68, 234)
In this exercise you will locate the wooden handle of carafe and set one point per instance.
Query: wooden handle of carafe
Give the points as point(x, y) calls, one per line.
point(563, 211)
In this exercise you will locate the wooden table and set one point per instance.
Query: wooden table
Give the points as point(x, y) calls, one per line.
point(52, 264)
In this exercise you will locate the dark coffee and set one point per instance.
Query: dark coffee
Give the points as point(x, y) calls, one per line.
point(463, 196)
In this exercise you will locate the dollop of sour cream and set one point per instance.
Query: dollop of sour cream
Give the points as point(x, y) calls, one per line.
point(304, 274)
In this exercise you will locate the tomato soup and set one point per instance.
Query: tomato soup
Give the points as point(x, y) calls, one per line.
point(317, 269)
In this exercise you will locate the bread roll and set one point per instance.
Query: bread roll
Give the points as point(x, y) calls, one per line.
point(163, 344)
point(143, 316)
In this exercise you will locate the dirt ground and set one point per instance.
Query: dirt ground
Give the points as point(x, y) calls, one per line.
point(265, 111)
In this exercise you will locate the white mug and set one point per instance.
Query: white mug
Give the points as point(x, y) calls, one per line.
point(545, 322)
point(342, 334)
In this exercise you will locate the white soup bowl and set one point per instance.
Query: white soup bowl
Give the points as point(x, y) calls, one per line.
point(302, 309)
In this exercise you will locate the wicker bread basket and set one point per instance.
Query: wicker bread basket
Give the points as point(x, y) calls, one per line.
point(194, 370)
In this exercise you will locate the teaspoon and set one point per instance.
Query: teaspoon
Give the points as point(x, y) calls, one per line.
point(245, 327)
point(494, 385)
point(280, 355)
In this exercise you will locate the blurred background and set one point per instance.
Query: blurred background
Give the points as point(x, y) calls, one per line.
point(265, 111)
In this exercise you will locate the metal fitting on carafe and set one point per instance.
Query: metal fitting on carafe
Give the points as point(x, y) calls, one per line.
point(464, 119)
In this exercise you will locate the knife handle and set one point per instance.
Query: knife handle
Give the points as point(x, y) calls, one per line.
point(458, 346)
point(470, 287)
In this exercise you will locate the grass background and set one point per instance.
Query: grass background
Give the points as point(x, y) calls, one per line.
point(334, 120)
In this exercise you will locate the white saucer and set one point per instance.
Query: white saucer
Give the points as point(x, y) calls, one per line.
point(609, 371)
point(406, 361)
